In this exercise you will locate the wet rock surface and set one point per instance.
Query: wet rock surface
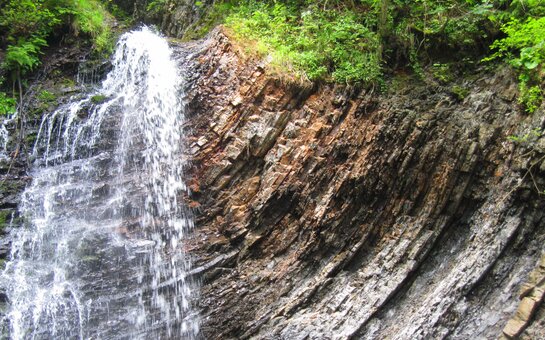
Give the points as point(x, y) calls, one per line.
point(182, 15)
point(331, 212)
point(50, 86)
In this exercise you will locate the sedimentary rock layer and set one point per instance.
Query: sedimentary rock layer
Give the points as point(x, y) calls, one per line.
point(329, 212)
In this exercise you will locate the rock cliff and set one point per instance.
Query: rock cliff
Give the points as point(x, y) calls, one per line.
point(330, 212)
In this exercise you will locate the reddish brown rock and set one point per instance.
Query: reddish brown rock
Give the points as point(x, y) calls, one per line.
point(331, 212)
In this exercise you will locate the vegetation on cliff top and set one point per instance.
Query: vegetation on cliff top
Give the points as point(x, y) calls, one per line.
point(524, 48)
point(356, 41)
point(344, 41)
point(313, 44)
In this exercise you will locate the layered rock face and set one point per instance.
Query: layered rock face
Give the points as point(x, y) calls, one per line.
point(334, 213)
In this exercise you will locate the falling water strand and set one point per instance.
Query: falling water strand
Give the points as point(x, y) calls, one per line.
point(101, 251)
point(4, 135)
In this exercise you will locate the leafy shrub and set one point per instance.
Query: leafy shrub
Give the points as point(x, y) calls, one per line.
point(90, 17)
point(29, 23)
point(351, 41)
point(46, 96)
point(524, 48)
point(7, 104)
point(524, 44)
point(27, 18)
point(313, 44)
point(24, 55)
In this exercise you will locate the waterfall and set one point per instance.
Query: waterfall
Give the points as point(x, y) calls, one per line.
point(101, 253)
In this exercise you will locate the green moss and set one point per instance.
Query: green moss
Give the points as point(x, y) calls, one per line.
point(68, 82)
point(460, 92)
point(98, 99)
point(46, 97)
point(90, 259)
point(530, 97)
point(442, 72)
point(5, 218)
point(11, 187)
point(156, 6)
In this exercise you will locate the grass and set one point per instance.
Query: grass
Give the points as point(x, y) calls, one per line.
point(310, 45)
point(91, 18)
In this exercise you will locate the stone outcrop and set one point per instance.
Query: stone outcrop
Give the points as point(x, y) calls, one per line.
point(181, 15)
point(331, 212)
point(531, 295)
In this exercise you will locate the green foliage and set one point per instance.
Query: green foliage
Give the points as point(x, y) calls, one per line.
point(90, 18)
point(524, 48)
point(28, 18)
point(25, 54)
point(451, 24)
point(156, 6)
point(352, 41)
point(523, 9)
point(5, 217)
point(7, 104)
point(442, 72)
point(460, 92)
point(27, 24)
point(117, 11)
point(530, 97)
point(99, 98)
point(524, 45)
point(46, 97)
point(312, 44)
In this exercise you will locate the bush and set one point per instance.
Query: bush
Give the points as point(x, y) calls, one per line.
point(7, 104)
point(351, 41)
point(313, 44)
point(24, 55)
point(524, 48)
point(90, 18)
point(27, 24)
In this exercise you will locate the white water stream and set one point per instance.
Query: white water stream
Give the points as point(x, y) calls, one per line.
point(101, 254)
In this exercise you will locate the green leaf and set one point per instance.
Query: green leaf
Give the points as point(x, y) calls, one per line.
point(7, 104)
point(531, 64)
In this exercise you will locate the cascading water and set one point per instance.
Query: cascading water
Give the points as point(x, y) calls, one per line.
point(101, 253)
